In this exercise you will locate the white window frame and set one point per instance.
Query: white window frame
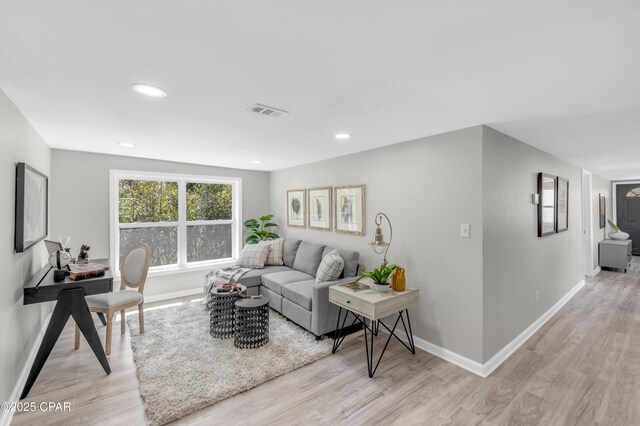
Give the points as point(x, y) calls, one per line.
point(181, 224)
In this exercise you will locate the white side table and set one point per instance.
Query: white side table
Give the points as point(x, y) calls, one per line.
point(375, 306)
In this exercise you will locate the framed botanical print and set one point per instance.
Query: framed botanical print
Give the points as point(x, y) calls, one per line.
point(296, 208)
point(350, 209)
point(319, 208)
point(562, 204)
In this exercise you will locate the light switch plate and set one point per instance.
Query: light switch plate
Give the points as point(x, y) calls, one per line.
point(465, 231)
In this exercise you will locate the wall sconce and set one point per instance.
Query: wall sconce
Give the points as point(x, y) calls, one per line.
point(379, 244)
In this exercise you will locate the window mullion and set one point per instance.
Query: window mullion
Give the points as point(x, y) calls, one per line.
point(182, 223)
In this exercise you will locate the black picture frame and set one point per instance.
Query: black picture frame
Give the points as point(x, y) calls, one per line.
point(547, 215)
point(602, 210)
point(32, 207)
point(562, 204)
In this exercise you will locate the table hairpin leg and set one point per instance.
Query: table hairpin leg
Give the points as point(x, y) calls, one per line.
point(370, 331)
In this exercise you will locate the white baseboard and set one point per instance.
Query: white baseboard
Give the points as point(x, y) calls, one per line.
point(512, 346)
point(596, 271)
point(173, 295)
point(7, 416)
point(485, 370)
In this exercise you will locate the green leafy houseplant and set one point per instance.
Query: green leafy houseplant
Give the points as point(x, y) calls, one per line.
point(259, 229)
point(613, 226)
point(379, 275)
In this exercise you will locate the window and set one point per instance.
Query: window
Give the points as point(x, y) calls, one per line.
point(187, 221)
point(634, 193)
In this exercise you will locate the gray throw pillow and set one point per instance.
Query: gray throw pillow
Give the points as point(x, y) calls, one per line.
point(330, 267)
point(276, 251)
point(253, 256)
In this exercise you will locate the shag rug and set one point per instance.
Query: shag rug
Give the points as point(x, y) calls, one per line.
point(182, 369)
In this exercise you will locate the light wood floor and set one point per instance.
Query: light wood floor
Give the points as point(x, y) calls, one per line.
point(581, 368)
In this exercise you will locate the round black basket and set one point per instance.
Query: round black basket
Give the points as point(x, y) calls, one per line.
point(252, 323)
point(222, 314)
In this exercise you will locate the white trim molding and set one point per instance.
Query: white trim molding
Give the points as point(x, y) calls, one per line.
point(596, 271)
point(485, 370)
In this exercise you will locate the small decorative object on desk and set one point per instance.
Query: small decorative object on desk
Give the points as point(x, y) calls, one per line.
point(59, 260)
point(88, 270)
point(380, 277)
point(617, 234)
point(83, 256)
point(355, 286)
point(229, 288)
point(398, 281)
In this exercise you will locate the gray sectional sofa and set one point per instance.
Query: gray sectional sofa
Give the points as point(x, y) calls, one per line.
point(292, 289)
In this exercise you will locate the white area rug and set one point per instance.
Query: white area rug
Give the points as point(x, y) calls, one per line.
point(182, 369)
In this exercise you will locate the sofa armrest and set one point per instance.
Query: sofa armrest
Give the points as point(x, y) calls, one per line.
point(324, 314)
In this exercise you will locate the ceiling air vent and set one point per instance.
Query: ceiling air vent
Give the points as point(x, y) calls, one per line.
point(267, 111)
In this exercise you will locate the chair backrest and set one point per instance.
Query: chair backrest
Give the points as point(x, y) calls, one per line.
point(134, 265)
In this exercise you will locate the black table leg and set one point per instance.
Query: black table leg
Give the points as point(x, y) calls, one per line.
point(70, 303)
point(103, 320)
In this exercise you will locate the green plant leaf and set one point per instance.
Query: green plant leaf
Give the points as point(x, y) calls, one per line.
point(266, 217)
point(270, 225)
point(613, 225)
point(251, 223)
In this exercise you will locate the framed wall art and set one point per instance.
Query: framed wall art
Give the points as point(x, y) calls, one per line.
point(349, 204)
point(32, 207)
point(320, 206)
point(546, 205)
point(562, 204)
point(296, 208)
point(602, 210)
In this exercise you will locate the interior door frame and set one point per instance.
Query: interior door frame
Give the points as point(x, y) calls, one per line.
point(587, 223)
point(614, 196)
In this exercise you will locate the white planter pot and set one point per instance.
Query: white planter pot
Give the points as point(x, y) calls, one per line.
point(618, 235)
point(382, 288)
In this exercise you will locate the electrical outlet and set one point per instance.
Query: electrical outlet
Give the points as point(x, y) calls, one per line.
point(465, 231)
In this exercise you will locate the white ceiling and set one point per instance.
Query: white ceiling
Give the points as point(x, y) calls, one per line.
point(563, 76)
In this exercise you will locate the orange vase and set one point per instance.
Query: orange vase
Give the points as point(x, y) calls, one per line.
point(398, 281)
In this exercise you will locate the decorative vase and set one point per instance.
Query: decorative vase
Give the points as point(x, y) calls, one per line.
point(382, 288)
point(618, 235)
point(398, 281)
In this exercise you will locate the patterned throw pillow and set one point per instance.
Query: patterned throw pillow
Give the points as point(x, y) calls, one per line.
point(276, 251)
point(253, 256)
point(330, 268)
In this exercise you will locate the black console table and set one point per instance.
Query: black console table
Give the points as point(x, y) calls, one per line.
point(70, 299)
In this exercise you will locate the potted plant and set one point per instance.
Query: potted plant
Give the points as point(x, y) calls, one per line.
point(380, 277)
point(259, 229)
point(617, 234)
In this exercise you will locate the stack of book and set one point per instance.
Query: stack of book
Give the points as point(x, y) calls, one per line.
point(89, 270)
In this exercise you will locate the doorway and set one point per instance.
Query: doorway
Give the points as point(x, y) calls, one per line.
point(628, 212)
point(587, 223)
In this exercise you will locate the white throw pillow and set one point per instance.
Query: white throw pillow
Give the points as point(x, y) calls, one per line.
point(330, 267)
point(253, 256)
point(276, 251)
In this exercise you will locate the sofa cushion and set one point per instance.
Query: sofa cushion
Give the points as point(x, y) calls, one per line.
point(299, 293)
point(276, 251)
point(290, 249)
point(253, 256)
point(351, 259)
point(252, 278)
point(275, 281)
point(330, 268)
point(308, 258)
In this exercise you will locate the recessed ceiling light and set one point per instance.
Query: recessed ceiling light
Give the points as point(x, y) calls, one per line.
point(343, 135)
point(149, 90)
point(256, 162)
point(127, 145)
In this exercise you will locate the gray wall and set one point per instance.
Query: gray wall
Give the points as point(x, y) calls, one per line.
point(516, 262)
point(427, 187)
point(600, 185)
point(86, 176)
point(19, 325)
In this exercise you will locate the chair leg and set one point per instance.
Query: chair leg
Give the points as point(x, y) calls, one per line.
point(122, 326)
point(108, 340)
point(76, 342)
point(141, 317)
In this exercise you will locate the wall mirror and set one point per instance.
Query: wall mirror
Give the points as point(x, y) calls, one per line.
point(547, 207)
